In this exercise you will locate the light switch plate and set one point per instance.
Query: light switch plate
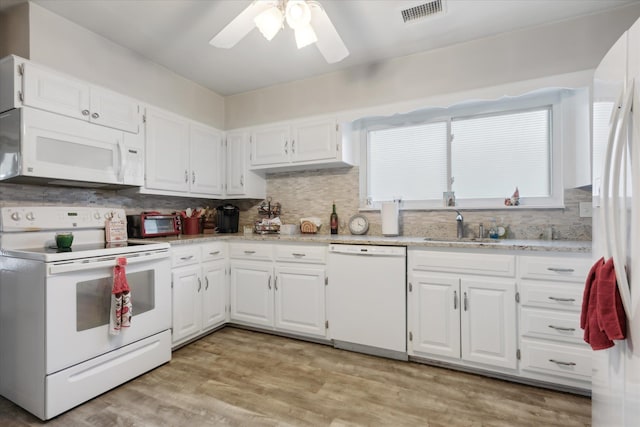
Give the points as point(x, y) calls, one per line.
point(586, 210)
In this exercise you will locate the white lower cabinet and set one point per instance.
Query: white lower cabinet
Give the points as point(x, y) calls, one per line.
point(287, 295)
point(300, 299)
point(252, 293)
point(199, 288)
point(462, 318)
point(551, 341)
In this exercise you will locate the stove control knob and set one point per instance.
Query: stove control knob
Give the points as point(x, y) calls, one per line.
point(30, 216)
point(15, 216)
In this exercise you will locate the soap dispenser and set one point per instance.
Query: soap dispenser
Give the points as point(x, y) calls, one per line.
point(493, 231)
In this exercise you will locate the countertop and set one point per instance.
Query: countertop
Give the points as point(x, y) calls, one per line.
point(502, 244)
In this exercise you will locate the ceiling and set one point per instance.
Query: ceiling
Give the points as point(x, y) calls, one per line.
point(176, 33)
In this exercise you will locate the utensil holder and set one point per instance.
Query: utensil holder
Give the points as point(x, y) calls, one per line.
point(190, 225)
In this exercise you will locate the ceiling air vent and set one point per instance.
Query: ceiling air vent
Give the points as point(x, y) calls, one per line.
point(422, 10)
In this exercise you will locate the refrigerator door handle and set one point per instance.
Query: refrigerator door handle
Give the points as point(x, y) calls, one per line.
point(617, 198)
point(606, 174)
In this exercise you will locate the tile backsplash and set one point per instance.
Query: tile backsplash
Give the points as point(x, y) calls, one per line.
point(311, 193)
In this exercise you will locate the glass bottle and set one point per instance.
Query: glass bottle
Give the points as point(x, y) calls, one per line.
point(333, 220)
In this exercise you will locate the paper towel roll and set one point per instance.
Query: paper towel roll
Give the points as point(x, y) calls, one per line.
point(389, 212)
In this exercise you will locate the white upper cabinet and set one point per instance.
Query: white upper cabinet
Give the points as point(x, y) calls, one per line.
point(270, 146)
point(56, 92)
point(314, 140)
point(183, 156)
point(206, 159)
point(299, 144)
point(167, 151)
point(241, 182)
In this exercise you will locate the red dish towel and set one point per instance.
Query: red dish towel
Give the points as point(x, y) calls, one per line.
point(611, 317)
point(602, 316)
point(121, 307)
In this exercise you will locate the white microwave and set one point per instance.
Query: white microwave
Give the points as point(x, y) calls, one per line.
point(39, 147)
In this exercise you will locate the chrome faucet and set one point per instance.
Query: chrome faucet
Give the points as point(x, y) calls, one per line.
point(460, 222)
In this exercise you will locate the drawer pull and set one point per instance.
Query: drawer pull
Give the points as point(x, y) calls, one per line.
point(298, 254)
point(214, 253)
point(560, 362)
point(560, 270)
point(186, 258)
point(562, 299)
point(455, 300)
point(561, 328)
point(249, 252)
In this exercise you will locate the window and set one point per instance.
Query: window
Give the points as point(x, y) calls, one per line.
point(481, 152)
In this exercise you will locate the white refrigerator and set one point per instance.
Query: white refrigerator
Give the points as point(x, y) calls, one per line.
point(616, 223)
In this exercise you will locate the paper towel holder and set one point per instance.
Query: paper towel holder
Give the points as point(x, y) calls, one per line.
point(390, 212)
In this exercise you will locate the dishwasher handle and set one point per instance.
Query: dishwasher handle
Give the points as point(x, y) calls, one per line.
point(368, 250)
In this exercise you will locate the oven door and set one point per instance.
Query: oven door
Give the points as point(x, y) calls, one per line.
point(78, 304)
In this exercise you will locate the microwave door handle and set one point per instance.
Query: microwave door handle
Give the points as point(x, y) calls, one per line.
point(106, 263)
point(123, 160)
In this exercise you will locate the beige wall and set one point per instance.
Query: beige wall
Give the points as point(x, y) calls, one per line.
point(14, 31)
point(549, 50)
point(65, 46)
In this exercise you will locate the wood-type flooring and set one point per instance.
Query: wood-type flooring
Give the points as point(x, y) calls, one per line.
point(243, 378)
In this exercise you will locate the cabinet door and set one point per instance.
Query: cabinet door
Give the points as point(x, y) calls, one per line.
point(434, 315)
point(313, 140)
point(214, 294)
point(300, 300)
point(114, 110)
point(187, 287)
point(270, 145)
point(55, 92)
point(167, 152)
point(489, 322)
point(251, 290)
point(237, 162)
point(206, 160)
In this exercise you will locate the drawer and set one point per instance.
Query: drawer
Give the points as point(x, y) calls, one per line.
point(555, 325)
point(557, 359)
point(555, 268)
point(185, 255)
point(301, 253)
point(564, 296)
point(241, 250)
point(460, 263)
point(214, 251)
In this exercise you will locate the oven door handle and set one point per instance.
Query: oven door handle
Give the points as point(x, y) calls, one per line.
point(105, 262)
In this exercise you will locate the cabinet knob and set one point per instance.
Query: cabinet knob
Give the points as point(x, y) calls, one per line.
point(186, 176)
point(193, 177)
point(286, 147)
point(199, 284)
point(206, 283)
point(465, 302)
point(269, 282)
point(293, 146)
point(455, 300)
point(242, 179)
point(95, 115)
point(85, 112)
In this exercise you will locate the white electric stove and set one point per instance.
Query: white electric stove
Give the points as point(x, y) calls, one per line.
point(56, 350)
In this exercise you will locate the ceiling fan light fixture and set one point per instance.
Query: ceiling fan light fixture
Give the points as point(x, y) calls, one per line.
point(298, 13)
point(269, 22)
point(305, 36)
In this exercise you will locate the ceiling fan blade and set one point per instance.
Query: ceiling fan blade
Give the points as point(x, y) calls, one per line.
point(329, 42)
point(240, 26)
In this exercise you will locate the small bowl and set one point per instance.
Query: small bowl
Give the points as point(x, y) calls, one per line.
point(64, 240)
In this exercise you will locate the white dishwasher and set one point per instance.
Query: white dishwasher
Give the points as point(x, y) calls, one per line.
point(367, 299)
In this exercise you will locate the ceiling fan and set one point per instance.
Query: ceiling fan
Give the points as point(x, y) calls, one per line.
point(306, 17)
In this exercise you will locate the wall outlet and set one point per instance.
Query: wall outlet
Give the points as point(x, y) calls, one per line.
point(586, 210)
